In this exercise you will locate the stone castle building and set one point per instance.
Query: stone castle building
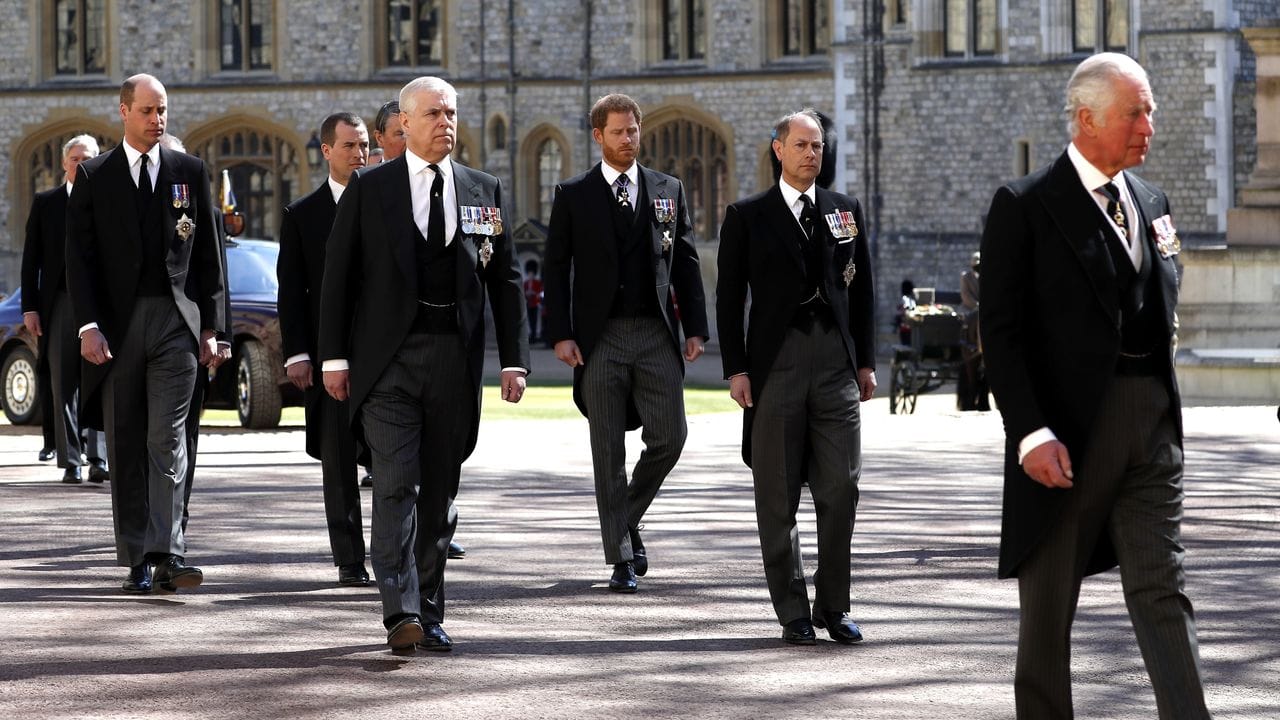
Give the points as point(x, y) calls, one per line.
point(938, 101)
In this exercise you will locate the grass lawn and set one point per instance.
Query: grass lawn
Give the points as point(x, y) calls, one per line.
point(540, 402)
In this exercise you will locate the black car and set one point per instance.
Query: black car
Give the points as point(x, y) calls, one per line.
point(254, 382)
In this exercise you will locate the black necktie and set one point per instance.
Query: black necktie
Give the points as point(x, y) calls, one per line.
point(144, 186)
point(624, 197)
point(435, 223)
point(808, 217)
point(1115, 210)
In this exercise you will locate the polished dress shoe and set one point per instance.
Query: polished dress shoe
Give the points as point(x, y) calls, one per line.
point(46, 454)
point(638, 556)
point(434, 638)
point(839, 627)
point(353, 575)
point(72, 475)
point(624, 578)
point(456, 551)
point(799, 632)
point(366, 481)
point(405, 633)
point(98, 471)
point(139, 580)
point(172, 574)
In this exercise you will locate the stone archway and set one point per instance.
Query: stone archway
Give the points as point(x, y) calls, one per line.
point(696, 148)
point(264, 163)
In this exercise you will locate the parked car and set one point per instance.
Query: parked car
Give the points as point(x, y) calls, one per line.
point(254, 382)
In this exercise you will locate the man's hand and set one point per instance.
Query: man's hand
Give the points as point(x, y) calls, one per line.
point(93, 346)
point(740, 390)
point(32, 322)
point(693, 348)
point(300, 374)
point(512, 385)
point(338, 384)
point(221, 356)
point(1049, 464)
point(568, 353)
point(866, 383)
point(208, 347)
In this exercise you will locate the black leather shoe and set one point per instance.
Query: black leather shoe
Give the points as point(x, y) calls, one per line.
point(172, 574)
point(405, 633)
point(139, 580)
point(638, 556)
point(72, 475)
point(353, 575)
point(456, 551)
point(98, 471)
point(366, 481)
point(46, 454)
point(839, 626)
point(799, 632)
point(624, 578)
point(434, 638)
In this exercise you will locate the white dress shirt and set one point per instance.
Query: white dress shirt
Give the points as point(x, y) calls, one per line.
point(792, 197)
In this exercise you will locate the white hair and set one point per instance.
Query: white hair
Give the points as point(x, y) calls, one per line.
point(1092, 85)
point(409, 93)
point(171, 142)
point(88, 142)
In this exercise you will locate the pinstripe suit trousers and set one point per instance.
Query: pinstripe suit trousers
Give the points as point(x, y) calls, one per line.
point(1130, 487)
point(634, 358)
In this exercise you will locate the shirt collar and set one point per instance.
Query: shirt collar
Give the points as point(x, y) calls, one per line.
point(69, 186)
point(132, 154)
point(791, 195)
point(611, 175)
point(416, 164)
point(336, 188)
point(1090, 176)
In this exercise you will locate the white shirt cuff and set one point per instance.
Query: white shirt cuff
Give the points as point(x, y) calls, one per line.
point(331, 365)
point(300, 357)
point(30, 312)
point(523, 371)
point(1033, 441)
point(90, 326)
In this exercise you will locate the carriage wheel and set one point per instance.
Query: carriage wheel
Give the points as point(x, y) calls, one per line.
point(902, 388)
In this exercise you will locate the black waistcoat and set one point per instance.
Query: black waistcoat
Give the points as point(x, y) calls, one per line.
point(1141, 308)
point(153, 278)
point(437, 270)
point(636, 295)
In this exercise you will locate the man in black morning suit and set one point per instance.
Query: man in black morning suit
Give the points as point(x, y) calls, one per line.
point(417, 244)
point(139, 219)
point(304, 230)
point(1079, 285)
point(801, 370)
point(46, 312)
point(621, 231)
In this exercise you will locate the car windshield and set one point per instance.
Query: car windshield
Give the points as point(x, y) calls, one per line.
point(251, 268)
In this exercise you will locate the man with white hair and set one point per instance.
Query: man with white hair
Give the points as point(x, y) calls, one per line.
point(417, 243)
point(46, 312)
point(1077, 319)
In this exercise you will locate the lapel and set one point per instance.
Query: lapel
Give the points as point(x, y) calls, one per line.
point(1151, 208)
point(468, 191)
point(784, 224)
point(162, 196)
point(397, 206)
point(600, 206)
point(1076, 216)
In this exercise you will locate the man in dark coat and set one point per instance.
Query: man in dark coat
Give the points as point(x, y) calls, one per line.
point(621, 232)
point(1079, 286)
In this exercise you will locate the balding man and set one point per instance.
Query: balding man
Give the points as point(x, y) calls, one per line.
point(46, 311)
point(1077, 317)
point(801, 370)
point(417, 244)
point(140, 219)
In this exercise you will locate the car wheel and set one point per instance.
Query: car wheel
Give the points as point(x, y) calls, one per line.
point(257, 396)
point(21, 397)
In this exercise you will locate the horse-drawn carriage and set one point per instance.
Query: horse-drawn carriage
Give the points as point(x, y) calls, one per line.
point(935, 356)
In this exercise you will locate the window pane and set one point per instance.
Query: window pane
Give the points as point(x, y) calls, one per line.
point(548, 175)
point(671, 29)
point(399, 32)
point(821, 41)
point(260, 35)
point(95, 33)
point(1086, 24)
point(429, 33)
point(67, 37)
point(1117, 24)
point(231, 21)
point(984, 27)
point(792, 30)
point(956, 27)
point(697, 37)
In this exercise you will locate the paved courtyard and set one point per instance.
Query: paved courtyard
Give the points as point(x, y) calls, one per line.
point(270, 635)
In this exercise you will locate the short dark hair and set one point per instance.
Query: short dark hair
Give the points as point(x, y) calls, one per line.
point(329, 128)
point(783, 127)
point(612, 103)
point(389, 108)
point(131, 83)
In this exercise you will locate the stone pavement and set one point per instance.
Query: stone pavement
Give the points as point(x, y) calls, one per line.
point(269, 635)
